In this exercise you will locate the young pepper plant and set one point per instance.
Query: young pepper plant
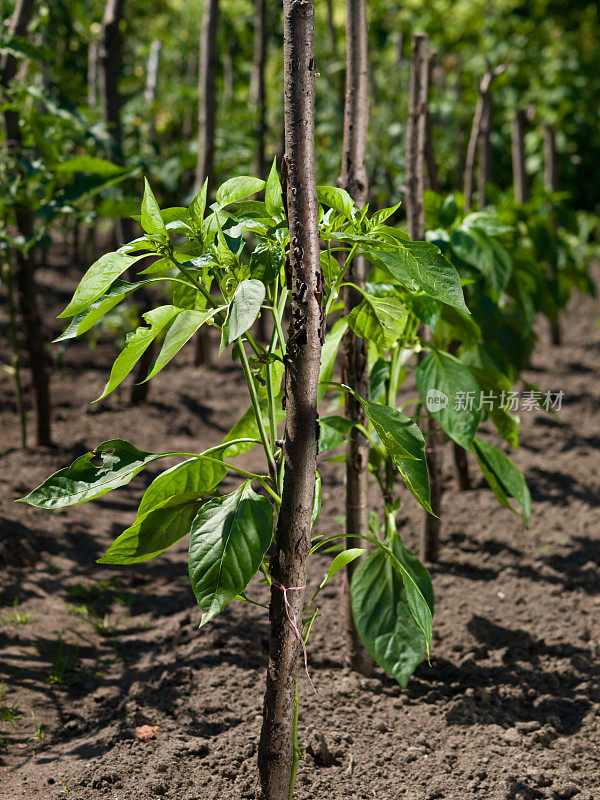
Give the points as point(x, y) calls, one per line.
point(223, 266)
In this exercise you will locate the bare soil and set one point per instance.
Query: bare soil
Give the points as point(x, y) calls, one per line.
point(508, 710)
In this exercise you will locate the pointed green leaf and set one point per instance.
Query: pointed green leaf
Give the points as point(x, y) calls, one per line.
point(151, 219)
point(154, 532)
point(504, 478)
point(97, 279)
point(338, 199)
point(117, 462)
point(243, 310)
point(451, 395)
point(229, 538)
point(273, 199)
point(246, 428)
point(192, 478)
point(340, 561)
point(421, 267)
point(405, 444)
point(381, 320)
point(136, 345)
point(382, 610)
point(198, 205)
point(237, 188)
point(266, 263)
point(181, 331)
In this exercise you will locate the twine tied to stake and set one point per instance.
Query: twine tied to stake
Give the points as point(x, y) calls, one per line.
point(291, 615)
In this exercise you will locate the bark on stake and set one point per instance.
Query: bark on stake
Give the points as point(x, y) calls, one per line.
point(354, 353)
point(25, 266)
point(551, 185)
point(416, 142)
point(305, 339)
point(480, 135)
point(517, 135)
point(110, 55)
point(258, 85)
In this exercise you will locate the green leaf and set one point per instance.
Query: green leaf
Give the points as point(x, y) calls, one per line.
point(504, 478)
point(494, 383)
point(243, 310)
point(136, 345)
point(329, 354)
point(381, 320)
point(192, 478)
point(266, 263)
point(334, 431)
point(198, 205)
point(81, 323)
point(379, 217)
point(83, 163)
point(151, 219)
point(405, 443)
point(421, 267)
point(383, 613)
point(154, 532)
point(273, 199)
point(237, 188)
point(340, 561)
point(246, 428)
point(119, 462)
point(338, 199)
point(316, 508)
point(229, 538)
point(97, 279)
point(181, 331)
point(451, 395)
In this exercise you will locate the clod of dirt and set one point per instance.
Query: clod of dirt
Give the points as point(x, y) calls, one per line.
point(147, 732)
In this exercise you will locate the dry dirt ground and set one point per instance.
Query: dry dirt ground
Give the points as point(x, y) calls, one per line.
point(508, 710)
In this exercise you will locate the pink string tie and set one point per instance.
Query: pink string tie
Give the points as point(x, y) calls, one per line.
point(291, 615)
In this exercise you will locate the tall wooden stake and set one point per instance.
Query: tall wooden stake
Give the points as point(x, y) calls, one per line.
point(354, 355)
point(276, 754)
point(551, 185)
point(416, 139)
point(258, 85)
point(517, 135)
point(25, 267)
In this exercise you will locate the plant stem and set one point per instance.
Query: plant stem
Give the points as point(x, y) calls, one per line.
point(295, 745)
point(257, 412)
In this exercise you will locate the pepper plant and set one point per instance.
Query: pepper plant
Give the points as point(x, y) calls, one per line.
point(223, 266)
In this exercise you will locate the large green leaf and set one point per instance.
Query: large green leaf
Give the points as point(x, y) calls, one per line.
point(451, 395)
point(81, 323)
point(243, 310)
point(137, 343)
point(405, 443)
point(97, 279)
point(381, 320)
point(198, 205)
point(237, 188)
point(119, 462)
point(421, 267)
point(504, 478)
point(154, 532)
point(181, 331)
point(382, 612)
point(192, 478)
point(229, 538)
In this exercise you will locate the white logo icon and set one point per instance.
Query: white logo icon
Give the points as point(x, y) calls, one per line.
point(436, 400)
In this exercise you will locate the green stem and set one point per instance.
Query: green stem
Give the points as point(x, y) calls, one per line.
point(257, 413)
point(338, 281)
point(395, 367)
point(295, 745)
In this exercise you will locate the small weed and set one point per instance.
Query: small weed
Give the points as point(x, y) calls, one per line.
point(39, 733)
point(66, 666)
point(18, 617)
point(103, 626)
point(8, 713)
